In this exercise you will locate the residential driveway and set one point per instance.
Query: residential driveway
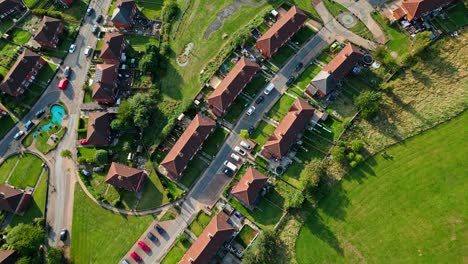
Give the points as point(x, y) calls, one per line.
point(337, 31)
point(362, 9)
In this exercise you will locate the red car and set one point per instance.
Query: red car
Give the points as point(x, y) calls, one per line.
point(63, 84)
point(136, 257)
point(83, 141)
point(143, 246)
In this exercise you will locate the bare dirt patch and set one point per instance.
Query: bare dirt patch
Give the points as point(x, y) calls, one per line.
point(183, 58)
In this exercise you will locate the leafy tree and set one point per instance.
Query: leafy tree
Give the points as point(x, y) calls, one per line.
point(350, 155)
point(379, 53)
point(66, 153)
point(54, 256)
point(358, 158)
point(338, 153)
point(24, 260)
point(368, 103)
point(310, 175)
point(244, 134)
point(81, 160)
point(353, 164)
point(169, 10)
point(294, 199)
point(136, 111)
point(266, 250)
point(126, 146)
point(101, 156)
point(356, 145)
point(25, 238)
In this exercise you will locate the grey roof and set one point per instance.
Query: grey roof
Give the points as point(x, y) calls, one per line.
point(122, 11)
point(324, 82)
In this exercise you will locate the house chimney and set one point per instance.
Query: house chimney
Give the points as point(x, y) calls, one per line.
point(210, 235)
point(120, 177)
point(296, 113)
point(181, 154)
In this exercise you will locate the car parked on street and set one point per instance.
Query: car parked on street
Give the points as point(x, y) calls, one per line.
point(18, 135)
point(235, 157)
point(136, 257)
point(269, 88)
point(89, 11)
point(87, 51)
point(251, 129)
point(299, 66)
point(260, 99)
point(245, 145)
point(290, 81)
point(159, 229)
point(95, 29)
point(39, 113)
point(125, 261)
point(99, 19)
point(152, 237)
point(67, 72)
point(63, 84)
point(72, 48)
point(29, 125)
point(228, 172)
point(251, 110)
point(143, 246)
point(64, 234)
point(239, 150)
point(230, 165)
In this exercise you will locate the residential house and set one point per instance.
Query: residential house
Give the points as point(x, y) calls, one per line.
point(282, 31)
point(412, 10)
point(124, 14)
point(128, 178)
point(49, 32)
point(232, 85)
point(9, 7)
point(67, 3)
point(335, 71)
point(105, 86)
point(113, 46)
point(13, 200)
point(189, 143)
point(8, 256)
point(248, 189)
point(218, 231)
point(22, 73)
point(286, 133)
point(99, 130)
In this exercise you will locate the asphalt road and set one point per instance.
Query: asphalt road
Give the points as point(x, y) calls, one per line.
point(211, 184)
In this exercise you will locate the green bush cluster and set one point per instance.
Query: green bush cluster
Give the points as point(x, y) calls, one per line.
point(51, 13)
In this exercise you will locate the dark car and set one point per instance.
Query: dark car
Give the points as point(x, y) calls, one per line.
point(290, 81)
point(251, 129)
point(152, 237)
point(67, 72)
point(260, 99)
point(29, 125)
point(95, 29)
point(64, 234)
point(99, 19)
point(159, 229)
point(228, 172)
point(39, 113)
point(299, 66)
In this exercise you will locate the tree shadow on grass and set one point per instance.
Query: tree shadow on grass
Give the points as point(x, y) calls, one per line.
point(406, 107)
point(337, 195)
point(321, 230)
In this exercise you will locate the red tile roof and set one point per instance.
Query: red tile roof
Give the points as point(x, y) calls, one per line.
point(281, 31)
point(105, 85)
point(12, 84)
point(232, 85)
point(414, 9)
point(125, 177)
point(249, 186)
point(111, 49)
point(13, 200)
point(8, 256)
point(187, 146)
point(49, 29)
point(209, 242)
point(99, 131)
point(287, 131)
point(344, 61)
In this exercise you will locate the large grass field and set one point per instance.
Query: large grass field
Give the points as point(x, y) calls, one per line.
point(409, 208)
point(95, 227)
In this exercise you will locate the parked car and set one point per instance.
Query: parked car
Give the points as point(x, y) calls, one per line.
point(63, 84)
point(245, 145)
point(125, 261)
point(143, 246)
point(83, 142)
point(136, 257)
point(269, 88)
point(260, 99)
point(39, 113)
point(18, 135)
point(290, 81)
point(98, 169)
point(235, 157)
point(159, 229)
point(67, 71)
point(64, 234)
point(251, 110)
point(299, 66)
point(230, 165)
point(89, 11)
point(72, 48)
point(95, 29)
point(29, 125)
point(228, 172)
point(85, 173)
point(87, 51)
point(239, 150)
point(251, 129)
point(152, 237)
point(99, 19)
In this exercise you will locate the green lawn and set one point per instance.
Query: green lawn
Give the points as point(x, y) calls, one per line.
point(214, 141)
point(138, 42)
point(361, 30)
point(307, 6)
point(42, 137)
point(281, 108)
point(6, 167)
point(6, 123)
point(236, 109)
point(75, 11)
point(334, 8)
point(245, 236)
point(20, 36)
point(262, 133)
point(94, 227)
point(151, 10)
point(303, 35)
point(254, 87)
point(199, 223)
point(410, 207)
point(36, 207)
point(26, 172)
point(177, 252)
point(306, 76)
point(457, 14)
point(282, 56)
point(397, 41)
point(266, 215)
point(194, 170)
point(153, 193)
point(170, 214)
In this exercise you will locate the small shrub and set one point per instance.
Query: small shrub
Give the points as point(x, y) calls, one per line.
point(353, 164)
point(82, 160)
point(350, 156)
point(66, 153)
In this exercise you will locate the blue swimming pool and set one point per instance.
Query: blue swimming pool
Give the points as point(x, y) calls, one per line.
point(57, 112)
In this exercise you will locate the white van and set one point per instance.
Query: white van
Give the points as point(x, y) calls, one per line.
point(235, 157)
point(230, 165)
point(87, 51)
point(245, 145)
point(269, 88)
